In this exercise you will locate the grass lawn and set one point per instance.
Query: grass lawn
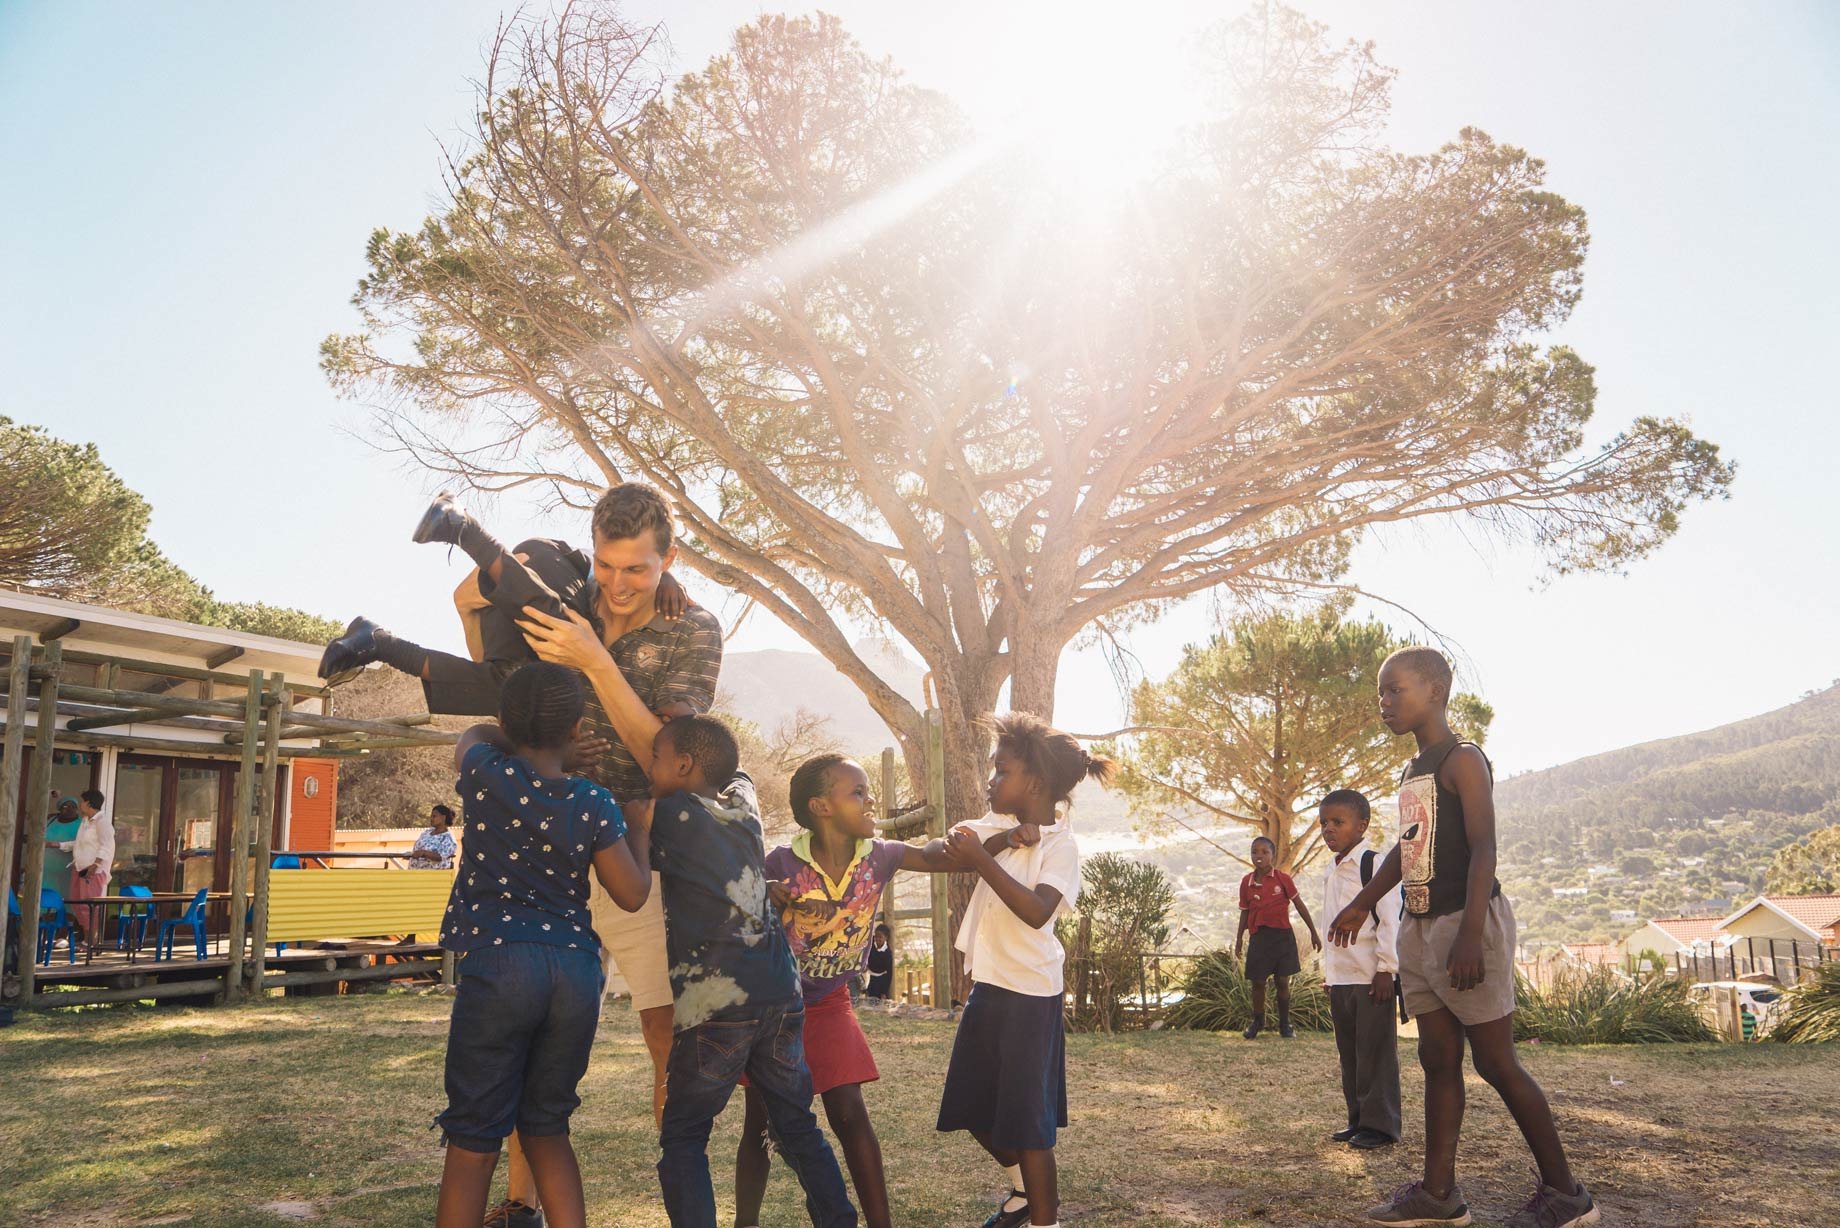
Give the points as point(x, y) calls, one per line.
point(320, 1108)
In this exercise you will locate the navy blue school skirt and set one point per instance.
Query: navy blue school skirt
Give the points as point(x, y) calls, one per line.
point(1008, 1074)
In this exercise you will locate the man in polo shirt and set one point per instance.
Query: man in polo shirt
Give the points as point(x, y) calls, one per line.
point(600, 615)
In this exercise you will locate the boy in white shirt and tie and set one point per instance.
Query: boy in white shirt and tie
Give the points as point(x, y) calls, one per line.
point(1360, 978)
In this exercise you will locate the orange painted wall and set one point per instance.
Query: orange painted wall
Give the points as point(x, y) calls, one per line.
point(313, 817)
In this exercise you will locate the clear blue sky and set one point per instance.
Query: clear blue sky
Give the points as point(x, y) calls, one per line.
point(190, 187)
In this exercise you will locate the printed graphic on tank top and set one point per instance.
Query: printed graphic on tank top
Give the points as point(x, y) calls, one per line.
point(1418, 815)
point(1433, 843)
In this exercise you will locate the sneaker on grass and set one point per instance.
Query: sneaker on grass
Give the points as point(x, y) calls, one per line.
point(1412, 1206)
point(1550, 1208)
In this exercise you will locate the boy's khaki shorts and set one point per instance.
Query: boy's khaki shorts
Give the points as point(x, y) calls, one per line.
point(633, 942)
point(1424, 945)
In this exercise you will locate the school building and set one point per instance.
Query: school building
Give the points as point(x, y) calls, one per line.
point(171, 786)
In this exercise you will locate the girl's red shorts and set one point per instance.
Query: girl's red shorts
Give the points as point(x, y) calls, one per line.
point(835, 1047)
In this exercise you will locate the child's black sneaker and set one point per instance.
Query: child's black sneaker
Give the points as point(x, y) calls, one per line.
point(1287, 1031)
point(513, 1214)
point(1251, 1033)
point(1412, 1206)
point(1549, 1208)
point(1002, 1218)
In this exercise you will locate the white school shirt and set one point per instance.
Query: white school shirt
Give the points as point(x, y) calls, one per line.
point(1002, 949)
point(95, 841)
point(1372, 950)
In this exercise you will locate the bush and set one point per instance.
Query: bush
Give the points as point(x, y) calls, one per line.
point(1598, 1006)
point(1123, 916)
point(1217, 997)
point(1811, 1010)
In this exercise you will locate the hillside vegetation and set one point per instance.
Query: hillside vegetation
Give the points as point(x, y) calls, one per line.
point(1678, 826)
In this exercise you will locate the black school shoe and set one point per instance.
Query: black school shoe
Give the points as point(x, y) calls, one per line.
point(1252, 1033)
point(442, 522)
point(351, 652)
point(1369, 1140)
point(1344, 1134)
point(1009, 1219)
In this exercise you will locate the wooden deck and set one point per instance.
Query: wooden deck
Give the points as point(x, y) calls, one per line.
point(318, 963)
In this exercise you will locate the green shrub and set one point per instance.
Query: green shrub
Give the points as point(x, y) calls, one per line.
point(1811, 1010)
point(1217, 997)
point(1123, 917)
point(1598, 1006)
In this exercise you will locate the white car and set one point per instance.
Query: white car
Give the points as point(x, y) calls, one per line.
point(1764, 1001)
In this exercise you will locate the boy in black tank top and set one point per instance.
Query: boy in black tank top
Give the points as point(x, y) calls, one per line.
point(1456, 954)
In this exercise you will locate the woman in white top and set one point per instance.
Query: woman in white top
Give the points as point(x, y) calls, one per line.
point(92, 852)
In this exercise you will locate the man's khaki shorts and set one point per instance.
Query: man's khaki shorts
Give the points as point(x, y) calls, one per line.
point(1424, 945)
point(633, 942)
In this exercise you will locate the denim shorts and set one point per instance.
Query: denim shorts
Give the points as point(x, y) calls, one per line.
point(518, 1042)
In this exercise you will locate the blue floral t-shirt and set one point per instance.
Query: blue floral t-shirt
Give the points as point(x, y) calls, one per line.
point(527, 854)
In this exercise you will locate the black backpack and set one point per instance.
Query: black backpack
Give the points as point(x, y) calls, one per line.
point(1367, 874)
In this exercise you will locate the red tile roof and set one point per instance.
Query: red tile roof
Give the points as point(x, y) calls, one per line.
point(1689, 929)
point(1817, 912)
point(1595, 952)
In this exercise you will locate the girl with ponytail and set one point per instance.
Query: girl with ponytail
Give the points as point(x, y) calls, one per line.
point(1007, 1081)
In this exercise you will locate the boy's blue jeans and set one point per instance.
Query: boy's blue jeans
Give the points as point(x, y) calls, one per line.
point(706, 1061)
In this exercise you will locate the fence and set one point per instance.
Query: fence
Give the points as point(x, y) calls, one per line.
point(1783, 960)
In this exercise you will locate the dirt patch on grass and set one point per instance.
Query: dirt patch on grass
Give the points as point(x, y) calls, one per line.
point(248, 1116)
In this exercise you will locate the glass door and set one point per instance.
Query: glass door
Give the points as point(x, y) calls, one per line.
point(196, 827)
point(141, 834)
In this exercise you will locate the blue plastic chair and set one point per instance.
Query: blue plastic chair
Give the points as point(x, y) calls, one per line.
point(286, 861)
point(192, 919)
point(51, 902)
point(133, 918)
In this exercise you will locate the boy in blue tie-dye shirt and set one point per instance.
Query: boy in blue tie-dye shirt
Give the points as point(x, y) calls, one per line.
point(738, 1006)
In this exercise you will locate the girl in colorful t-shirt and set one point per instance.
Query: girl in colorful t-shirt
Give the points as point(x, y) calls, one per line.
point(828, 883)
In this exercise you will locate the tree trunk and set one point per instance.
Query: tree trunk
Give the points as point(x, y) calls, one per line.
point(966, 696)
point(1035, 668)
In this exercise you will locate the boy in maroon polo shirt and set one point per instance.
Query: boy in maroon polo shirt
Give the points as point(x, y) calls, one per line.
point(1265, 899)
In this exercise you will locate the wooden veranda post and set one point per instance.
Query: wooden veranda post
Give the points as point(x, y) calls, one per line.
point(936, 827)
point(280, 700)
point(239, 836)
point(888, 796)
point(11, 753)
point(38, 803)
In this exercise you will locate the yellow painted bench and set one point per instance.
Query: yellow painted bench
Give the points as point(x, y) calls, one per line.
point(312, 904)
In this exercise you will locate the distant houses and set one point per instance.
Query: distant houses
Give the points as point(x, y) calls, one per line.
point(1666, 935)
point(1791, 918)
point(1772, 935)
